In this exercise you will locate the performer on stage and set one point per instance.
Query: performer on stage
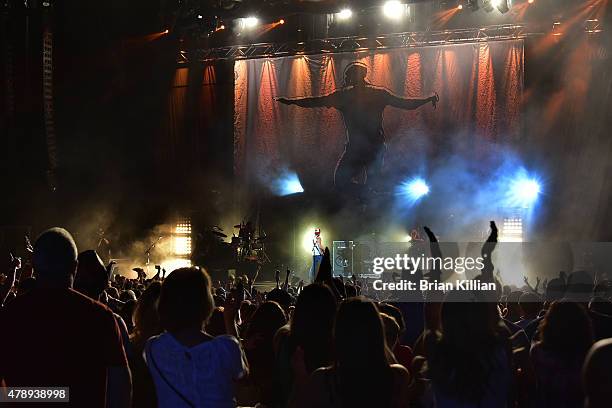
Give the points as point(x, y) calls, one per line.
point(362, 106)
point(317, 254)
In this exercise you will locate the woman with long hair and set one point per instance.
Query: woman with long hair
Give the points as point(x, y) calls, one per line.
point(565, 336)
point(259, 350)
point(363, 372)
point(469, 356)
point(146, 325)
point(306, 343)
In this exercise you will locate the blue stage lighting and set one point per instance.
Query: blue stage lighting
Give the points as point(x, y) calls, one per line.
point(288, 183)
point(524, 190)
point(414, 189)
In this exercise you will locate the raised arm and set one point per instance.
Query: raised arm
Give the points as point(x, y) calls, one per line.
point(325, 101)
point(487, 251)
point(13, 264)
point(410, 103)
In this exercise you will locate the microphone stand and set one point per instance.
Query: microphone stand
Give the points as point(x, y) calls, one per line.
point(148, 253)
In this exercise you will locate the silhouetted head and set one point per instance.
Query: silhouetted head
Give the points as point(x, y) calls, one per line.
point(355, 74)
point(392, 330)
point(530, 305)
point(312, 325)
point(359, 327)
point(145, 317)
point(554, 330)
point(185, 300)
point(267, 319)
point(55, 258)
point(596, 375)
point(91, 277)
point(394, 312)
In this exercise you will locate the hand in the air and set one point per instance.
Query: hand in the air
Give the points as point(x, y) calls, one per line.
point(285, 101)
point(434, 100)
point(430, 234)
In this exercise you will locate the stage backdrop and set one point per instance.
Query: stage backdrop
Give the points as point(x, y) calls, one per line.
point(480, 88)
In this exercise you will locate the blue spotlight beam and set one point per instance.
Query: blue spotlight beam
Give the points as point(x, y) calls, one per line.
point(414, 189)
point(288, 183)
point(524, 190)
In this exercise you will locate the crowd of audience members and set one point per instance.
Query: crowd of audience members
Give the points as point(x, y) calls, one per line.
point(187, 341)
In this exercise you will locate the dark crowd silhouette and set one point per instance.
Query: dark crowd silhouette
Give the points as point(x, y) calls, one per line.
point(187, 341)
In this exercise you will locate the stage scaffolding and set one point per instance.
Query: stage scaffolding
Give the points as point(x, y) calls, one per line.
point(356, 44)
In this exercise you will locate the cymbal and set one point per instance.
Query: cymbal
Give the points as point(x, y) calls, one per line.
point(217, 228)
point(238, 226)
point(219, 234)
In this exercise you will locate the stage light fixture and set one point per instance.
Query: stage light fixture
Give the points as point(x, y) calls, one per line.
point(486, 5)
point(524, 190)
point(414, 189)
point(460, 7)
point(249, 22)
point(394, 9)
point(512, 229)
point(182, 238)
point(344, 14)
point(530, 1)
point(288, 183)
point(502, 5)
point(281, 21)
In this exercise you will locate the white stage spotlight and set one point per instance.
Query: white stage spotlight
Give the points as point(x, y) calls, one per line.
point(344, 14)
point(502, 5)
point(249, 22)
point(394, 9)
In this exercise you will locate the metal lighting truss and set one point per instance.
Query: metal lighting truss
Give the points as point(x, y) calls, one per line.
point(356, 44)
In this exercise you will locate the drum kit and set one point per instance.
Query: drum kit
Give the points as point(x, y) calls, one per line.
point(246, 248)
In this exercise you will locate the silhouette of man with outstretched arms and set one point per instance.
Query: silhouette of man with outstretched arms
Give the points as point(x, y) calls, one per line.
point(362, 106)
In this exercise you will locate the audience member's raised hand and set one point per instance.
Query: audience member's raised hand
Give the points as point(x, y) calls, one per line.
point(430, 235)
point(8, 270)
point(287, 274)
point(231, 312)
point(487, 250)
point(436, 252)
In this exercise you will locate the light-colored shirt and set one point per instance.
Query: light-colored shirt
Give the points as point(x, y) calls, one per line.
point(317, 246)
point(202, 376)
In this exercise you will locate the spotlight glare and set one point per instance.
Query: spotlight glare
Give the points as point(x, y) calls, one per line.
point(393, 9)
point(414, 189)
point(166, 31)
point(460, 7)
point(344, 14)
point(281, 21)
point(502, 5)
point(288, 183)
point(524, 190)
point(530, 1)
point(250, 22)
